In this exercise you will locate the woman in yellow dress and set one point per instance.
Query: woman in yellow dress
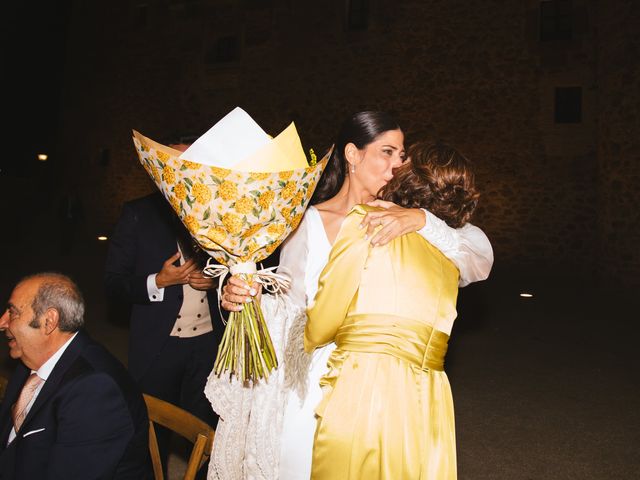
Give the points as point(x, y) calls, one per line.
point(387, 410)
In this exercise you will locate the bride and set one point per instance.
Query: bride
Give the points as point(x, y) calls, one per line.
point(266, 430)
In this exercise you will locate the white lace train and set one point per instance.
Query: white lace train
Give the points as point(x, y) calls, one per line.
point(247, 441)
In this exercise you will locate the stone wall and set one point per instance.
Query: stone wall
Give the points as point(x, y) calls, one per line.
point(619, 139)
point(472, 73)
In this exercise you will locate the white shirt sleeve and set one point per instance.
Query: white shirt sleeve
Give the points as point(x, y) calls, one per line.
point(293, 262)
point(155, 294)
point(467, 247)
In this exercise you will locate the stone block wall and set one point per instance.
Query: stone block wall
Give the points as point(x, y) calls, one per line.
point(474, 74)
point(618, 146)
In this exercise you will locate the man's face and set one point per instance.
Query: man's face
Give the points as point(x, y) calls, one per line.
point(25, 342)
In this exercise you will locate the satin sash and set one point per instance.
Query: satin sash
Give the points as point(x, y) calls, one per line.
point(409, 340)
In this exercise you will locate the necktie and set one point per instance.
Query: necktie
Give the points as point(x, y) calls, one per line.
point(19, 410)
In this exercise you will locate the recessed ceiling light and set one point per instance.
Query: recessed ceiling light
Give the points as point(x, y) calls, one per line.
point(43, 157)
point(102, 238)
point(526, 295)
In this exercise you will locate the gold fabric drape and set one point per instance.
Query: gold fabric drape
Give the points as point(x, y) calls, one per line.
point(387, 411)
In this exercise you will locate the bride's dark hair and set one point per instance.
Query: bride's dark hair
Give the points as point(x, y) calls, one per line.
point(436, 177)
point(361, 129)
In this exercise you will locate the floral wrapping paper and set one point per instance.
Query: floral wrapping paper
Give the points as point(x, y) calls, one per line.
point(234, 216)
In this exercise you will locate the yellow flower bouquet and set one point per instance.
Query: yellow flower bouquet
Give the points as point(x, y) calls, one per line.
point(240, 193)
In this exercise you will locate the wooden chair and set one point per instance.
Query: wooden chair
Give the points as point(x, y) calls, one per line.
point(184, 424)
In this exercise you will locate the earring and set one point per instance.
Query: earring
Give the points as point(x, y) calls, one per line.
point(353, 168)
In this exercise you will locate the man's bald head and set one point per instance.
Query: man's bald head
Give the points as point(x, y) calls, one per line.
point(57, 291)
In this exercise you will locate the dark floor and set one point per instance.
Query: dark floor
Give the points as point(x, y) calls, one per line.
point(548, 387)
point(544, 388)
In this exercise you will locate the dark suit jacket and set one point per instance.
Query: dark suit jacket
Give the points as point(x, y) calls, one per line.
point(144, 238)
point(89, 421)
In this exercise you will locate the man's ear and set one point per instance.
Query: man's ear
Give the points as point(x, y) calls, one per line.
point(51, 319)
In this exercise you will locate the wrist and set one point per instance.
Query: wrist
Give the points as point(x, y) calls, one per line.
point(161, 281)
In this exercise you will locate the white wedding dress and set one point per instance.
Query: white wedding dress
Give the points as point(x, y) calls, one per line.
point(266, 430)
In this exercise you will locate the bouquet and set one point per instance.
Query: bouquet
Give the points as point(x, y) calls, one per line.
point(240, 193)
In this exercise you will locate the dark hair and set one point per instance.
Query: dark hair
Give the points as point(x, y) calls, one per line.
point(436, 177)
point(60, 292)
point(361, 129)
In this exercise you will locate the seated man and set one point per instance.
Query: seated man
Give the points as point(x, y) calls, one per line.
point(70, 410)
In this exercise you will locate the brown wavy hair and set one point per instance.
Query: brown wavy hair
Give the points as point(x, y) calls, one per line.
point(436, 177)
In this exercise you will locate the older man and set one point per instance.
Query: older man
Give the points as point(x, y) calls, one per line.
point(71, 410)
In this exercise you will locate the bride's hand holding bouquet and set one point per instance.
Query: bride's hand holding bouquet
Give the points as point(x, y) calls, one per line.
point(240, 193)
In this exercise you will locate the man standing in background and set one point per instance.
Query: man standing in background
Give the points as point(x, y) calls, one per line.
point(154, 265)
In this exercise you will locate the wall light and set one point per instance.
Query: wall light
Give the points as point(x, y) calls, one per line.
point(102, 238)
point(43, 157)
point(526, 295)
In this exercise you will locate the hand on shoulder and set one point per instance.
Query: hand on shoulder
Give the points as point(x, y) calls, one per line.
point(392, 220)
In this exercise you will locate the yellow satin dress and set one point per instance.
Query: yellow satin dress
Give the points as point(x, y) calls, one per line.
point(387, 410)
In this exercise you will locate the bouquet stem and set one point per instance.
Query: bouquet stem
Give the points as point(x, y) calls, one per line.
point(246, 349)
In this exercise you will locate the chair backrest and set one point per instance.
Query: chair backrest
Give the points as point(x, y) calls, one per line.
point(184, 424)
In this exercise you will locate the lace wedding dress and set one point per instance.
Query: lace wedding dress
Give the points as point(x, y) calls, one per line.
point(266, 430)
